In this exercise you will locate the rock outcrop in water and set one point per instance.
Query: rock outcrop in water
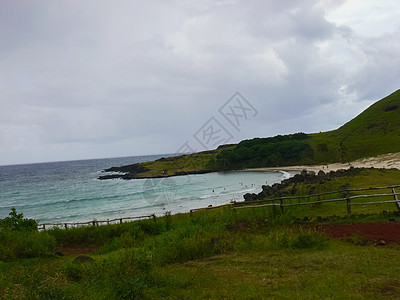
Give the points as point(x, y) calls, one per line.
point(135, 172)
point(124, 172)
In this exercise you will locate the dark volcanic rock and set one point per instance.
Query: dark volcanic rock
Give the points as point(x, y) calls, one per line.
point(192, 172)
point(250, 197)
point(139, 169)
point(83, 258)
point(126, 172)
point(135, 168)
point(113, 176)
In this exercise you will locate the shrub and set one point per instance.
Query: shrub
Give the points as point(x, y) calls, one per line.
point(17, 222)
point(308, 239)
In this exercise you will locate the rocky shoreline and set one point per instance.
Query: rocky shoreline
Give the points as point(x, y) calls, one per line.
point(308, 177)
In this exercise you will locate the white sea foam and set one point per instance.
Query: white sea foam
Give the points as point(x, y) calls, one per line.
point(285, 174)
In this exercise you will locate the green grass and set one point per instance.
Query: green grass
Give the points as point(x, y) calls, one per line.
point(341, 271)
point(211, 254)
point(252, 260)
point(374, 132)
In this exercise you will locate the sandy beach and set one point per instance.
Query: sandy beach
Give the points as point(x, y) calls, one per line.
point(387, 161)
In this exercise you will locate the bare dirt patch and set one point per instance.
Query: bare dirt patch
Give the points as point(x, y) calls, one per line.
point(389, 232)
point(76, 250)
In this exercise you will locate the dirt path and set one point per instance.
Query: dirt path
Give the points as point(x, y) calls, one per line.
point(379, 233)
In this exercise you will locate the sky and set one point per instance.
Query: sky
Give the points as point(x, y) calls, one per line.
point(111, 78)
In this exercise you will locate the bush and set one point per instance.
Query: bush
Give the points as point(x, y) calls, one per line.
point(17, 222)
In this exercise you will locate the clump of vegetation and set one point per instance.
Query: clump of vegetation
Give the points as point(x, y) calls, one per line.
point(17, 222)
point(267, 152)
point(20, 239)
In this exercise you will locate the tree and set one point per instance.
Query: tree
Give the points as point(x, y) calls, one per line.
point(323, 149)
point(343, 152)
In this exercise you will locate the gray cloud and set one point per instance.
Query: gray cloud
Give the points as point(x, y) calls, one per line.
point(109, 78)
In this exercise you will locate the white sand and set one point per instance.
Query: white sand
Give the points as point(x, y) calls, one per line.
point(387, 161)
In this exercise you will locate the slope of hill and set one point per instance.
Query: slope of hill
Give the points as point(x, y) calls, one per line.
point(374, 132)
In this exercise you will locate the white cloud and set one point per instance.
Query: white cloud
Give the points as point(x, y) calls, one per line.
point(108, 78)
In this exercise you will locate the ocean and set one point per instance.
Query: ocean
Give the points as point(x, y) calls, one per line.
point(70, 191)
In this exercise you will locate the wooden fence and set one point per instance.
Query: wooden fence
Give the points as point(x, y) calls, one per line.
point(279, 201)
point(347, 198)
point(94, 222)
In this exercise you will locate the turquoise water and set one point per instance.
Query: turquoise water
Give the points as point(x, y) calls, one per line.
point(71, 192)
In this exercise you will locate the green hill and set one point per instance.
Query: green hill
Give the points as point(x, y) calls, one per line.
point(374, 132)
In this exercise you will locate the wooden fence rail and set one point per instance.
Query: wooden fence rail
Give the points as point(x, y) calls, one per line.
point(260, 203)
point(92, 223)
point(347, 198)
point(323, 194)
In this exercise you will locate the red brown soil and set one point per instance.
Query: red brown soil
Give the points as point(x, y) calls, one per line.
point(389, 232)
point(77, 250)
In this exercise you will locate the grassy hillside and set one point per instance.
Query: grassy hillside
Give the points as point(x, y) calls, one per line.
point(374, 132)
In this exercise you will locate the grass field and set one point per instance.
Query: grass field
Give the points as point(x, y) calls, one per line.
point(207, 256)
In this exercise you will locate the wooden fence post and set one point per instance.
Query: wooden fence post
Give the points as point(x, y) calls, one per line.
point(154, 217)
point(66, 225)
point(281, 205)
point(94, 223)
point(395, 198)
point(348, 205)
point(120, 221)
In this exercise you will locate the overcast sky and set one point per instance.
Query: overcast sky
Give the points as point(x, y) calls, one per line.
point(96, 78)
